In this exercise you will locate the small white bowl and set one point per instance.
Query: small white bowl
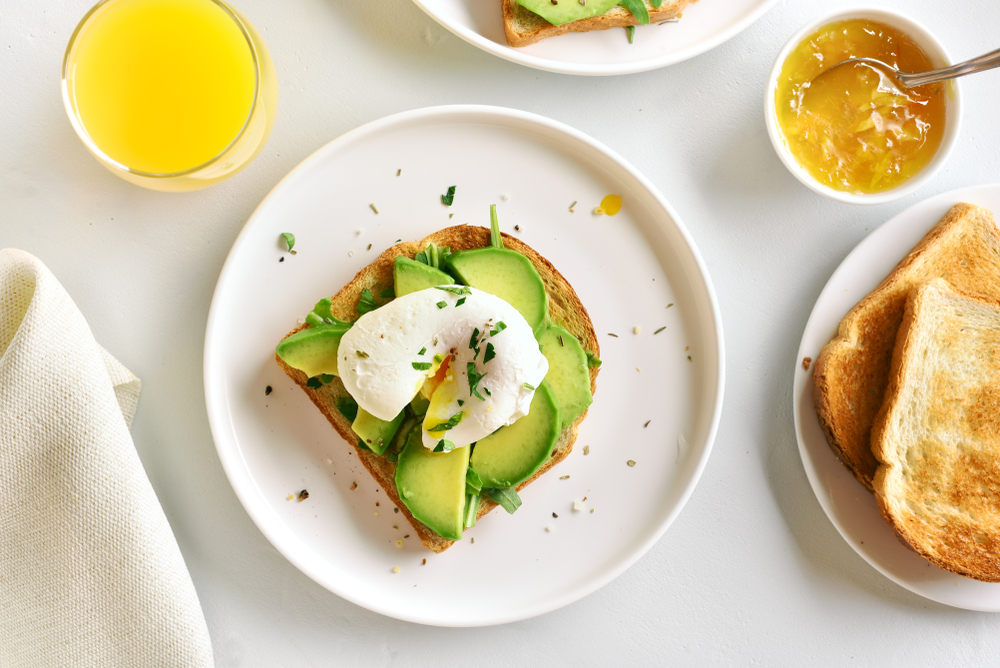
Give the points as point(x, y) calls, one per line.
point(939, 58)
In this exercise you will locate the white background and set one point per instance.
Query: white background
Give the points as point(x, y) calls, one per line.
point(752, 572)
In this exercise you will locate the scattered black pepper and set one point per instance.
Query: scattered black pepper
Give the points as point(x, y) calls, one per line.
point(689, 358)
point(354, 485)
point(424, 563)
point(647, 424)
point(267, 390)
point(517, 228)
point(369, 247)
point(554, 515)
point(376, 504)
point(395, 510)
point(406, 536)
point(303, 495)
point(281, 259)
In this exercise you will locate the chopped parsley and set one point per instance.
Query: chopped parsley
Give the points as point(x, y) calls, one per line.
point(314, 383)
point(461, 300)
point(490, 353)
point(499, 328)
point(366, 303)
point(593, 361)
point(529, 386)
point(422, 351)
point(326, 378)
point(487, 391)
point(450, 424)
point(461, 402)
point(442, 304)
point(289, 239)
point(474, 341)
point(454, 290)
point(422, 366)
point(474, 378)
point(449, 198)
point(348, 407)
point(438, 358)
point(388, 293)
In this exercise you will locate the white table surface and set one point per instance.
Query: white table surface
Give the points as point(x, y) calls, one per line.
point(752, 572)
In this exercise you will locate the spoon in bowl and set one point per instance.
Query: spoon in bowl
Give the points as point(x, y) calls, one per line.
point(903, 80)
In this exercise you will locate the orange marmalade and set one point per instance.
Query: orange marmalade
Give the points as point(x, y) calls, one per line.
point(850, 127)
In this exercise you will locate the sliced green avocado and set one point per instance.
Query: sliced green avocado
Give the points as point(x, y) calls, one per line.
point(506, 274)
point(313, 350)
point(432, 485)
point(377, 434)
point(568, 376)
point(512, 454)
point(567, 10)
point(411, 276)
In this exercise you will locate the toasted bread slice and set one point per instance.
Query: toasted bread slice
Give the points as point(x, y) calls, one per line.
point(524, 27)
point(565, 309)
point(938, 433)
point(853, 369)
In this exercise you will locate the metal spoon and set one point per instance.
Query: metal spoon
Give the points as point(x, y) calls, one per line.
point(910, 79)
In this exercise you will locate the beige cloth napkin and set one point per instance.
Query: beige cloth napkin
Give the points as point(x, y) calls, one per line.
point(90, 573)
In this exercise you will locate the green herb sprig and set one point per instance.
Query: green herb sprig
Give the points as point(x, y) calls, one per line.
point(449, 198)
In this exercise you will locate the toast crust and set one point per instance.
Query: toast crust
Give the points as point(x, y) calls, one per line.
point(523, 27)
point(852, 371)
point(565, 309)
point(937, 435)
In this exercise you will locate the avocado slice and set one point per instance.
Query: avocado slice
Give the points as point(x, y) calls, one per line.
point(313, 350)
point(412, 276)
point(432, 485)
point(570, 10)
point(512, 454)
point(506, 274)
point(377, 434)
point(568, 375)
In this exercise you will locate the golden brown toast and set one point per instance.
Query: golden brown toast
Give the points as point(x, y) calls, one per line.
point(524, 27)
point(565, 309)
point(938, 433)
point(852, 371)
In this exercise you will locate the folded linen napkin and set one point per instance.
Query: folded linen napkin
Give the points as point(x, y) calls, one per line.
point(90, 573)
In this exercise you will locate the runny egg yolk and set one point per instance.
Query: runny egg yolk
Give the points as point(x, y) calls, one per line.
point(442, 390)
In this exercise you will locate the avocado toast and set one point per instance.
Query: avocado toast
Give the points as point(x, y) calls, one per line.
point(387, 451)
point(523, 26)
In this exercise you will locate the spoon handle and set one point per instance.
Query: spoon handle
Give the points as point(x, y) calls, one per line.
point(985, 62)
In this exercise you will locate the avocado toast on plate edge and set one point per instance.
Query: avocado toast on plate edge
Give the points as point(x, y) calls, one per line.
point(432, 480)
point(528, 21)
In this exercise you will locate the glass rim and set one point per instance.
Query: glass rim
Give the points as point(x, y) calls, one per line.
point(81, 130)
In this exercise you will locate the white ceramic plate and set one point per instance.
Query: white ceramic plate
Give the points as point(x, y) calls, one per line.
point(626, 269)
point(704, 25)
point(850, 507)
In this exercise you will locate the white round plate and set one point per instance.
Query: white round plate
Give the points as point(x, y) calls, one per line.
point(851, 507)
point(704, 25)
point(627, 269)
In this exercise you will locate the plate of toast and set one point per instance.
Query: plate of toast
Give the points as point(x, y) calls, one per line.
point(896, 399)
point(607, 39)
point(376, 243)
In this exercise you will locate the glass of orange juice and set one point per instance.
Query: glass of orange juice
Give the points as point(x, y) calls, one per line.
point(172, 95)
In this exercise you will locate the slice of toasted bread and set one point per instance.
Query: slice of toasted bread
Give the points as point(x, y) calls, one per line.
point(938, 433)
point(853, 369)
point(565, 309)
point(524, 27)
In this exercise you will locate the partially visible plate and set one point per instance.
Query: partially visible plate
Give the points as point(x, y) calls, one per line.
point(851, 507)
point(627, 269)
point(704, 25)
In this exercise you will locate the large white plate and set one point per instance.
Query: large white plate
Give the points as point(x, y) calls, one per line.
point(627, 269)
point(850, 507)
point(705, 25)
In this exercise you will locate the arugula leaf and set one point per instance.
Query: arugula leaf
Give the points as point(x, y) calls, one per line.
point(436, 254)
point(453, 290)
point(505, 497)
point(593, 360)
point(322, 315)
point(490, 353)
point(496, 240)
point(471, 510)
point(289, 239)
point(388, 293)
point(366, 303)
point(348, 407)
point(421, 257)
point(449, 198)
point(499, 328)
point(474, 378)
point(472, 481)
point(422, 366)
point(638, 9)
point(630, 33)
point(392, 456)
point(326, 378)
point(444, 445)
point(656, 3)
point(450, 424)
